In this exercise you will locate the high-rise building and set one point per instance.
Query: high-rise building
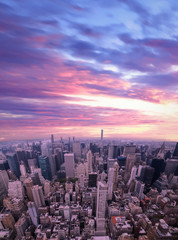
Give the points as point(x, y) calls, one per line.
point(32, 163)
point(116, 173)
point(171, 165)
point(139, 188)
point(21, 225)
point(23, 170)
point(16, 189)
point(47, 187)
point(7, 220)
point(45, 167)
point(77, 149)
point(4, 164)
point(113, 151)
point(38, 196)
point(4, 179)
point(52, 138)
point(110, 183)
point(33, 212)
point(129, 149)
point(159, 166)
point(175, 154)
point(28, 183)
point(89, 161)
point(92, 181)
point(16, 206)
point(133, 174)
point(69, 164)
point(101, 207)
point(110, 163)
point(13, 163)
point(101, 134)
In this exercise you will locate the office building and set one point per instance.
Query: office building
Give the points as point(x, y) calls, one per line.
point(129, 149)
point(4, 179)
point(45, 167)
point(175, 153)
point(32, 163)
point(7, 220)
point(16, 189)
point(77, 150)
point(38, 196)
point(69, 164)
point(92, 181)
point(13, 163)
point(21, 225)
point(101, 134)
point(101, 207)
point(33, 212)
point(90, 161)
point(28, 183)
point(110, 183)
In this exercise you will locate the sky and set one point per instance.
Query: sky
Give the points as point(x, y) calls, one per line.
point(72, 68)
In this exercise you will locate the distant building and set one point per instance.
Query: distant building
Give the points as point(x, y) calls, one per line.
point(45, 167)
point(69, 164)
point(13, 163)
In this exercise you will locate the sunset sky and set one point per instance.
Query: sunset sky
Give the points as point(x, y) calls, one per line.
point(72, 68)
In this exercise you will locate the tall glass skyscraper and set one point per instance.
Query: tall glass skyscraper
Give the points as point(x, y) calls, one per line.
point(13, 163)
point(45, 166)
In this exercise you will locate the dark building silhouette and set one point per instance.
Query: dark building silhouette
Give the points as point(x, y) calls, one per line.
point(13, 163)
point(159, 166)
point(4, 165)
point(92, 182)
point(175, 154)
point(147, 174)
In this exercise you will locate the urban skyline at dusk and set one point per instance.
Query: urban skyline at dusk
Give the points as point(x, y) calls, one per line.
point(72, 68)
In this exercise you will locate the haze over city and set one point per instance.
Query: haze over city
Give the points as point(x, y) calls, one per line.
point(74, 67)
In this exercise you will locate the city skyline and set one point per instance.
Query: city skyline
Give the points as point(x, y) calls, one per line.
point(74, 68)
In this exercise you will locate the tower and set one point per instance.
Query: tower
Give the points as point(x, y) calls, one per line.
point(28, 186)
point(32, 209)
point(13, 163)
point(4, 179)
point(101, 134)
point(110, 183)
point(89, 161)
point(38, 196)
point(69, 164)
point(101, 207)
point(45, 167)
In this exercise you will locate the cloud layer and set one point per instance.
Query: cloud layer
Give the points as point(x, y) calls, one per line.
point(89, 65)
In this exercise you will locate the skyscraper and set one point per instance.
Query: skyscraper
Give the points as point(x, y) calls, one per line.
point(33, 212)
point(13, 163)
point(38, 196)
point(110, 183)
point(101, 207)
point(101, 134)
point(77, 150)
point(92, 181)
point(4, 179)
point(175, 154)
point(89, 161)
point(28, 186)
point(69, 164)
point(45, 167)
